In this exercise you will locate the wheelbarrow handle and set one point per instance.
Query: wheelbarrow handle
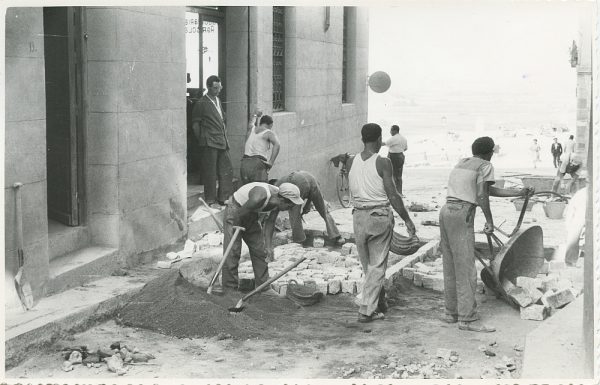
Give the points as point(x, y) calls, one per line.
point(520, 221)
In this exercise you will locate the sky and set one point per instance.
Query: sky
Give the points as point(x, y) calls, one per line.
point(480, 65)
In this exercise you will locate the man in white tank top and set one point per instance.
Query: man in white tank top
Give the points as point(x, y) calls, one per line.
point(260, 152)
point(373, 191)
point(242, 210)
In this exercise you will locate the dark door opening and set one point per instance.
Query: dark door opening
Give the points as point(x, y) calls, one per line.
point(62, 52)
point(205, 53)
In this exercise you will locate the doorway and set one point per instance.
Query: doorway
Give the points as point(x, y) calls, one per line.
point(64, 117)
point(205, 53)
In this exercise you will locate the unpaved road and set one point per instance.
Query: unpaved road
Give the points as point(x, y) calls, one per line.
point(322, 341)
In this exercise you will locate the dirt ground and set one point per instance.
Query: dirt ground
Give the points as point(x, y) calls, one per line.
point(322, 341)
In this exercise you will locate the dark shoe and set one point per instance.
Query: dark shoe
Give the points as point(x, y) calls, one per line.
point(476, 326)
point(382, 306)
point(449, 319)
point(370, 318)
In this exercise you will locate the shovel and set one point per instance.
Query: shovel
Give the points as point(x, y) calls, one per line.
point(21, 285)
point(240, 305)
point(227, 251)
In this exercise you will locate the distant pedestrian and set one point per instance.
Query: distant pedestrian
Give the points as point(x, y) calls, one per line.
point(470, 185)
point(397, 146)
point(208, 124)
point(556, 151)
point(261, 150)
point(373, 190)
point(535, 152)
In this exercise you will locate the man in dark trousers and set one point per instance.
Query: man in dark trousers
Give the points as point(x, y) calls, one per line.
point(243, 209)
point(556, 151)
point(373, 191)
point(470, 185)
point(208, 124)
point(310, 192)
point(397, 146)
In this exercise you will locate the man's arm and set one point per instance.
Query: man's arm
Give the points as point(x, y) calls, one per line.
point(483, 200)
point(272, 137)
point(508, 193)
point(269, 230)
point(384, 169)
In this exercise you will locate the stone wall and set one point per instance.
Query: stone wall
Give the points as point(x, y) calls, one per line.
point(25, 143)
point(315, 125)
point(136, 128)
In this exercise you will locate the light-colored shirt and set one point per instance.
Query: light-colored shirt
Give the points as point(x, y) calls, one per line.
point(366, 186)
point(397, 144)
point(241, 196)
point(466, 176)
point(570, 146)
point(258, 144)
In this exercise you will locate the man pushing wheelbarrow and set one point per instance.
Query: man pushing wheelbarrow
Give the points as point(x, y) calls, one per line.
point(470, 185)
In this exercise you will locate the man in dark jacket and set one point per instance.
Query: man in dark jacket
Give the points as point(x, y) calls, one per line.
point(208, 119)
point(556, 151)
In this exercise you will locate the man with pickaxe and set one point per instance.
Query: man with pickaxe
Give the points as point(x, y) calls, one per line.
point(243, 210)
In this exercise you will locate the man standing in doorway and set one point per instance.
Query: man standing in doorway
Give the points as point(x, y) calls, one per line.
point(556, 151)
point(373, 190)
point(470, 185)
point(208, 119)
point(397, 146)
point(260, 152)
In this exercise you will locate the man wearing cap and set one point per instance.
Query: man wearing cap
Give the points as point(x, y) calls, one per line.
point(310, 191)
point(397, 146)
point(470, 185)
point(242, 210)
point(373, 190)
point(571, 163)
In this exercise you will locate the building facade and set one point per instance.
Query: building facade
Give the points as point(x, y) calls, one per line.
point(95, 117)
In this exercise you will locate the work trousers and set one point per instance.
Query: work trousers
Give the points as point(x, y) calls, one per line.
point(216, 164)
point(457, 243)
point(254, 239)
point(397, 166)
point(373, 229)
point(311, 191)
point(254, 169)
point(556, 160)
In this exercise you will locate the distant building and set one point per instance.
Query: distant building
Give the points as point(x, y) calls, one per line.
point(96, 116)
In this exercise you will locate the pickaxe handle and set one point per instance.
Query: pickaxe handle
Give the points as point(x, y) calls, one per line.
point(219, 225)
point(227, 251)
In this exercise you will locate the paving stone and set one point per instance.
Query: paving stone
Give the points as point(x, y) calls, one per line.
point(529, 283)
point(359, 286)
point(422, 268)
point(534, 294)
point(408, 272)
point(520, 296)
point(318, 242)
point(563, 283)
point(322, 286)
point(418, 278)
point(535, 312)
point(549, 282)
point(347, 248)
point(427, 281)
point(560, 298)
point(349, 286)
point(334, 286)
point(544, 299)
point(325, 258)
point(445, 353)
point(350, 262)
point(356, 275)
point(555, 266)
point(438, 283)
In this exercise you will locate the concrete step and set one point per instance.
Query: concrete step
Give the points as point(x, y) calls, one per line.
point(81, 266)
point(63, 239)
point(67, 312)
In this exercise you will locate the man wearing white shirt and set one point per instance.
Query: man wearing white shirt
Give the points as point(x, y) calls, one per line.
point(397, 146)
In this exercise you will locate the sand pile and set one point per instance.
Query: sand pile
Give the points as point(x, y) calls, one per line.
point(171, 305)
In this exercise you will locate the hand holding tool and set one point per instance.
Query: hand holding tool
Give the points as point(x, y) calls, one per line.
point(227, 251)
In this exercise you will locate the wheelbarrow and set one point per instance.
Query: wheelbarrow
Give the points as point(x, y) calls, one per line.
point(521, 256)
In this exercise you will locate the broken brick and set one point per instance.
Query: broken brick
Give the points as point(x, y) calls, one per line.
point(347, 248)
point(529, 283)
point(427, 281)
point(438, 283)
point(418, 278)
point(535, 312)
point(534, 294)
point(349, 286)
point(422, 268)
point(560, 298)
point(322, 286)
point(318, 242)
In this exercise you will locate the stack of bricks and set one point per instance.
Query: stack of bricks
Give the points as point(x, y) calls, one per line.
point(556, 286)
point(426, 274)
point(330, 271)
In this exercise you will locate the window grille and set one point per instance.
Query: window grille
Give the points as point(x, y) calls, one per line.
point(278, 58)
